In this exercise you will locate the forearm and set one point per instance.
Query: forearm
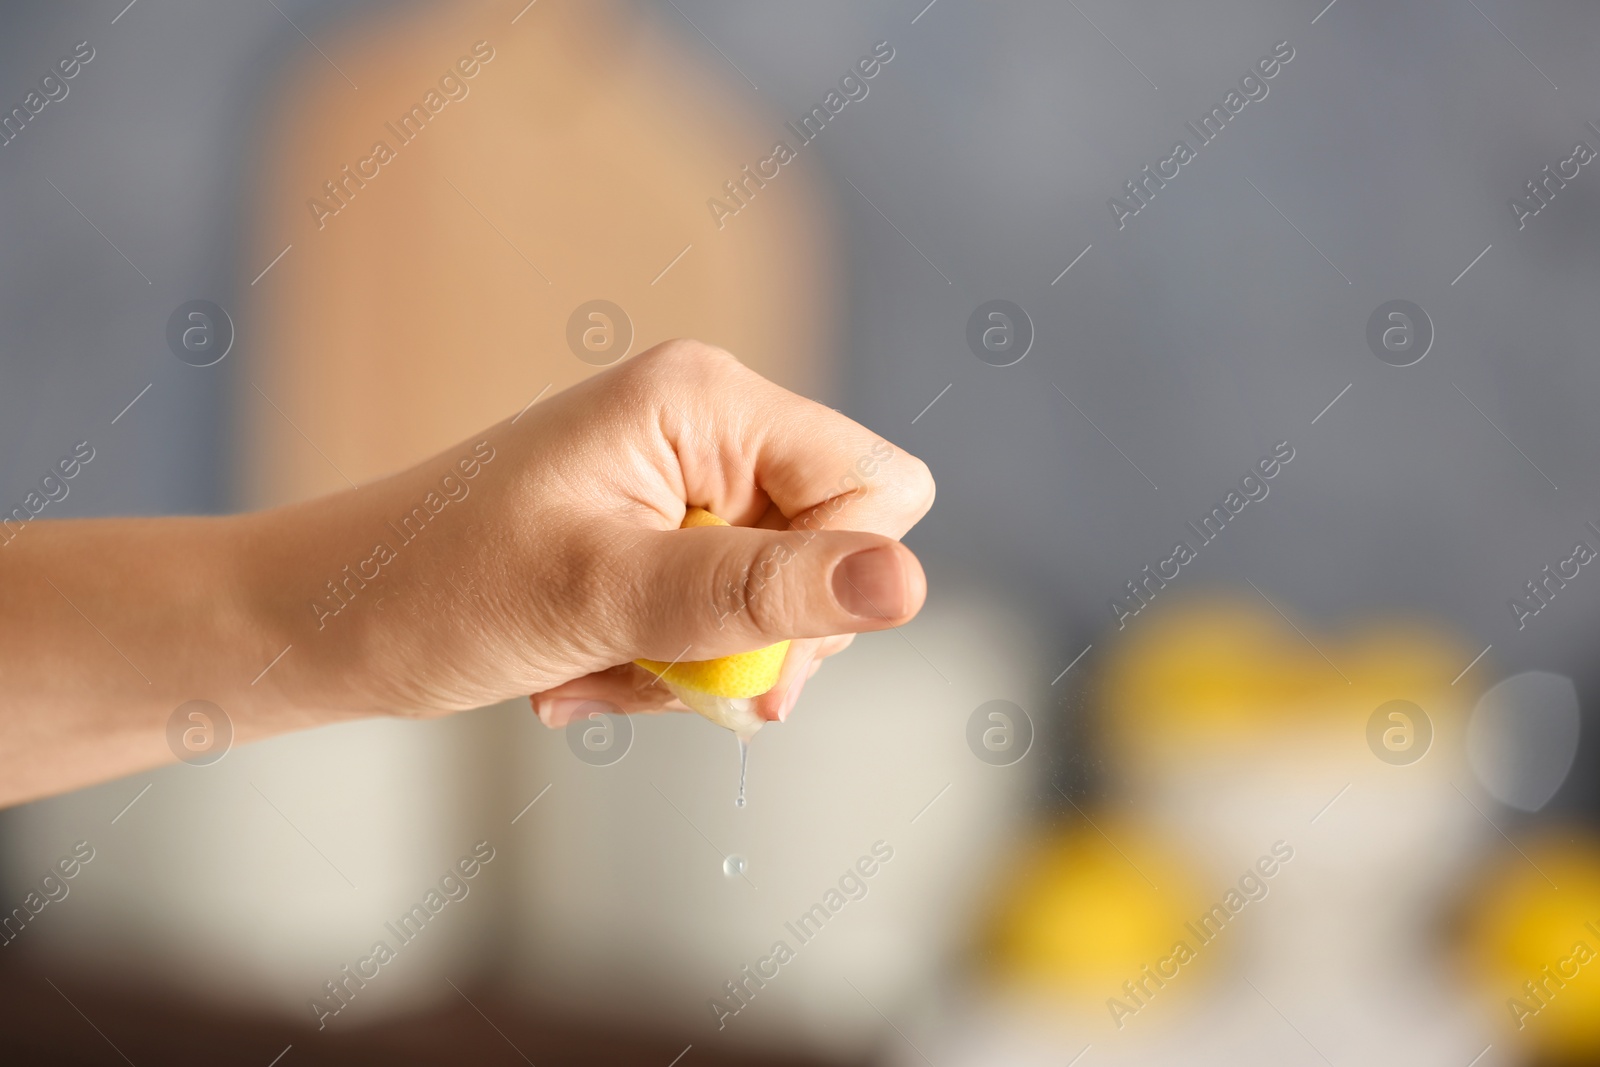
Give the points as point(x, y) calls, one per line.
point(285, 619)
point(107, 626)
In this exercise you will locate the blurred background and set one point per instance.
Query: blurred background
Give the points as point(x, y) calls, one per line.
point(1251, 719)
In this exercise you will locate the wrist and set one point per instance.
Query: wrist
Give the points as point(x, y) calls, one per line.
point(314, 666)
point(383, 594)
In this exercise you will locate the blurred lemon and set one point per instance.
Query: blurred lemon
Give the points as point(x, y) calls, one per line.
point(1080, 916)
point(1214, 671)
point(1520, 924)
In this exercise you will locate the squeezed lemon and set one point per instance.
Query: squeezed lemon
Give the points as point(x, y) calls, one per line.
point(722, 689)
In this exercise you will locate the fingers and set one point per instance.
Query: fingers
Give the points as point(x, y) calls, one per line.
point(627, 688)
point(775, 704)
point(744, 443)
point(818, 504)
point(632, 690)
point(832, 646)
point(729, 589)
point(804, 660)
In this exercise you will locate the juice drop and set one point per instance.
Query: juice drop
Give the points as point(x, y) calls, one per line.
point(744, 762)
point(733, 866)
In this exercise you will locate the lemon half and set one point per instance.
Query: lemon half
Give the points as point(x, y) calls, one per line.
point(721, 689)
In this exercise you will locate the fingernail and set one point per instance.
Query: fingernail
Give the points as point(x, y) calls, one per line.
point(558, 712)
point(871, 584)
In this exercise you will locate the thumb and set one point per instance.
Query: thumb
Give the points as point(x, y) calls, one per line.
point(731, 589)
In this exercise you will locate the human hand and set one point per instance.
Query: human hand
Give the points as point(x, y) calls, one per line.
point(558, 560)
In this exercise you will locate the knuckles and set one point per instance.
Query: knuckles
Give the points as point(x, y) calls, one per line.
point(672, 361)
point(678, 368)
point(910, 486)
point(920, 485)
point(762, 605)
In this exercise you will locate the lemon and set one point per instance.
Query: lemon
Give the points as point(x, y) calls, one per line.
point(720, 689)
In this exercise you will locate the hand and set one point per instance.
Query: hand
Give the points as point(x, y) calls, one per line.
point(542, 556)
point(559, 561)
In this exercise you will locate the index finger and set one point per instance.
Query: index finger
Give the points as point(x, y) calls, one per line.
point(743, 443)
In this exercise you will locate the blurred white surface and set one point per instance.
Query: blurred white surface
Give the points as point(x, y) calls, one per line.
point(625, 910)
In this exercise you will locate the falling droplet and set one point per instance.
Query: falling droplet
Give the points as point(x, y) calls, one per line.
point(733, 866)
point(744, 762)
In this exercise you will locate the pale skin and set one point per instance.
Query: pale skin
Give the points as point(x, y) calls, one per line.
point(545, 569)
